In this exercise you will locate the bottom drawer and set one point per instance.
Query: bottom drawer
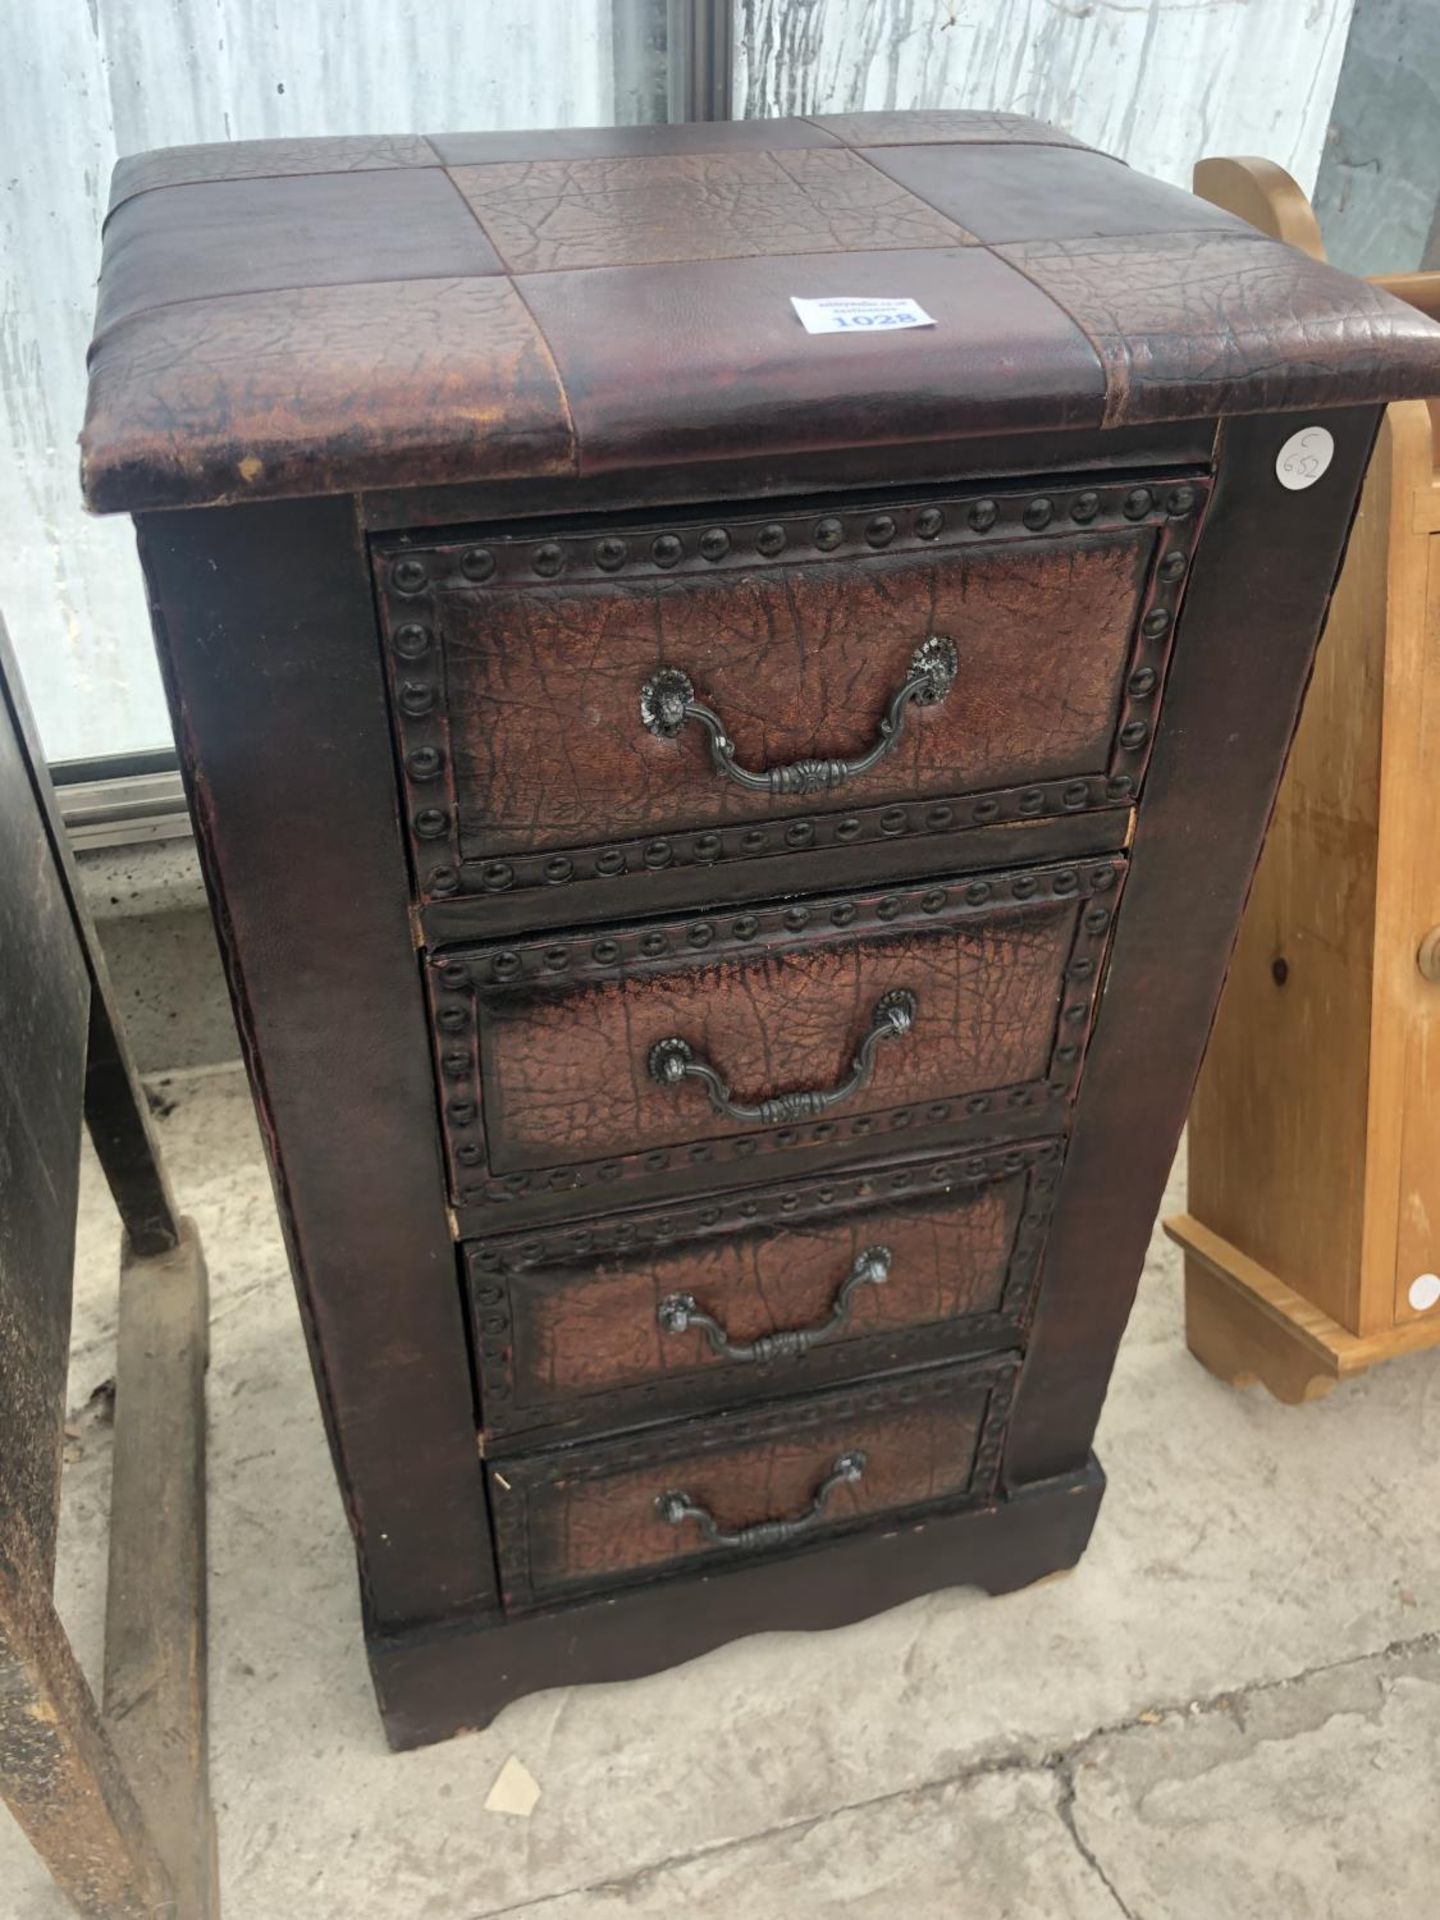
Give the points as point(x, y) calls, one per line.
point(620, 1510)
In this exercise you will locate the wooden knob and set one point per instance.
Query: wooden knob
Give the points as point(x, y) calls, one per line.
point(1427, 957)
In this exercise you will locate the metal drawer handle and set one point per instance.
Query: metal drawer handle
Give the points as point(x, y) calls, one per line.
point(676, 1508)
point(679, 1311)
point(668, 701)
point(673, 1060)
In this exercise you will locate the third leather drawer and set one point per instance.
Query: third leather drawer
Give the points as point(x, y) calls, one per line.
point(640, 1316)
point(665, 1055)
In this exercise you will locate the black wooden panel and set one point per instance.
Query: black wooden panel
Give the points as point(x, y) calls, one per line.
point(44, 1007)
point(268, 641)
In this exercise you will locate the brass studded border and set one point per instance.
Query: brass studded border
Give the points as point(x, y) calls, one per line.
point(414, 576)
point(757, 841)
point(460, 982)
point(515, 1477)
point(495, 1266)
point(1154, 638)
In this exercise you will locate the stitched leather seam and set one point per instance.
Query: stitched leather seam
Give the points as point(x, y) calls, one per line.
point(281, 173)
point(554, 366)
point(967, 239)
point(1066, 314)
point(1115, 393)
point(107, 334)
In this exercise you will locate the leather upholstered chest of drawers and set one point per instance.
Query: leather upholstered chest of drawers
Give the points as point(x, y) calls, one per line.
point(725, 840)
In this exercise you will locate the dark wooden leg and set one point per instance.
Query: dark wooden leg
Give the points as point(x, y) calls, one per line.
point(119, 1122)
point(58, 1772)
point(155, 1622)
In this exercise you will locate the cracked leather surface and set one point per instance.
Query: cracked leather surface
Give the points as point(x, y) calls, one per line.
point(639, 312)
point(583, 1529)
point(1225, 322)
point(543, 687)
point(353, 351)
point(265, 159)
point(599, 1331)
point(567, 1076)
point(543, 215)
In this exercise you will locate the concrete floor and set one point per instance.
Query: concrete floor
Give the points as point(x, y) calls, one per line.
point(1232, 1708)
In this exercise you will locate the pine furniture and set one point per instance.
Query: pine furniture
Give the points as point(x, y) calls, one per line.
point(1312, 1235)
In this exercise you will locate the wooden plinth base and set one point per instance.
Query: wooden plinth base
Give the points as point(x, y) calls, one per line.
point(453, 1679)
point(1247, 1326)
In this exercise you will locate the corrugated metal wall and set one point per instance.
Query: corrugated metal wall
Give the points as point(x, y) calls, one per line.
point(88, 80)
point(1159, 83)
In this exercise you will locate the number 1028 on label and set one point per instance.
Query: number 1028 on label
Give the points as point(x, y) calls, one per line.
point(853, 314)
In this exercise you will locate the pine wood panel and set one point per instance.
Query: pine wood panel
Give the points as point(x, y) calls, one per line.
point(1278, 1122)
point(1405, 1104)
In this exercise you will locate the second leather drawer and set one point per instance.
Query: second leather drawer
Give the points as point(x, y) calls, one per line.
point(666, 1055)
point(613, 1322)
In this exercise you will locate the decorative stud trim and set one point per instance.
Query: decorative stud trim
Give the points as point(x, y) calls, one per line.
point(463, 984)
point(1154, 634)
point(514, 1478)
point(856, 826)
point(414, 581)
point(502, 1270)
point(626, 949)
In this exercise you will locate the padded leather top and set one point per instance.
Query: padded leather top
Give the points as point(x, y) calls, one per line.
point(318, 316)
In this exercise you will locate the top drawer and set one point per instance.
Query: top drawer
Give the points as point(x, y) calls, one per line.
point(859, 673)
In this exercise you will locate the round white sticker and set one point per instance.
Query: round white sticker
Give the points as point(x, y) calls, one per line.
point(1304, 457)
point(1425, 1291)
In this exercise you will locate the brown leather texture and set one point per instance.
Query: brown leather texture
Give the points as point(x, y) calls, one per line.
point(567, 1078)
point(642, 283)
point(375, 410)
point(1051, 190)
point(546, 216)
point(947, 126)
point(265, 159)
point(701, 360)
point(1213, 323)
point(568, 1325)
point(201, 243)
point(568, 1521)
point(544, 1049)
point(547, 747)
point(614, 143)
